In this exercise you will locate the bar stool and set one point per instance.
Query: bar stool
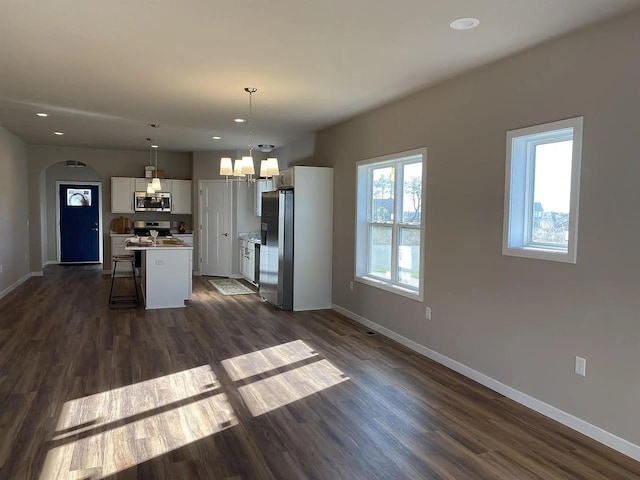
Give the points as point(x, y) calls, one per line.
point(124, 301)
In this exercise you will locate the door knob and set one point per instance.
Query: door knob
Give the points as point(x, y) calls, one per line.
point(225, 234)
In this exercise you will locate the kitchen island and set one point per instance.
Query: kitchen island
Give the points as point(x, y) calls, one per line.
point(165, 275)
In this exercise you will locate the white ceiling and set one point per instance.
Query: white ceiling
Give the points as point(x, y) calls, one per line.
point(105, 70)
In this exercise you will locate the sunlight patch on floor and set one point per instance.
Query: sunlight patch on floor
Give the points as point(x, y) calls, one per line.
point(254, 363)
point(109, 432)
point(88, 412)
point(274, 392)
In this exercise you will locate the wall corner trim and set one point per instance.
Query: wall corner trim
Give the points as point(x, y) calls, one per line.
point(596, 433)
point(15, 285)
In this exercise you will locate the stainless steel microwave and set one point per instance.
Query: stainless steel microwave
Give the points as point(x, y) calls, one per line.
point(156, 202)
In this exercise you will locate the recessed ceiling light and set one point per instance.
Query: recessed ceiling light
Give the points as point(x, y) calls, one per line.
point(466, 23)
point(216, 138)
point(42, 114)
point(239, 120)
point(58, 133)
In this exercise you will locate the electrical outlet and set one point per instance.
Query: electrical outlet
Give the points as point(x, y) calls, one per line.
point(427, 313)
point(581, 366)
point(351, 286)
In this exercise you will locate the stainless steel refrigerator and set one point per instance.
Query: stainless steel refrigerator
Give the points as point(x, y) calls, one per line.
point(276, 250)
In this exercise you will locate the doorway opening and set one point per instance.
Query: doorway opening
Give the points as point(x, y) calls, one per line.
point(215, 208)
point(79, 222)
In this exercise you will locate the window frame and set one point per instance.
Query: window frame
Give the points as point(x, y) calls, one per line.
point(364, 222)
point(519, 186)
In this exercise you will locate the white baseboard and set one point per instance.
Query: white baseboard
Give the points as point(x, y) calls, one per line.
point(15, 285)
point(575, 423)
point(37, 274)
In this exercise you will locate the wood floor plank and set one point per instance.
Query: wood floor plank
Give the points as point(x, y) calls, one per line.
point(231, 388)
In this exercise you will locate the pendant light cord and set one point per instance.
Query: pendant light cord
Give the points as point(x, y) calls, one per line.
point(250, 121)
point(250, 91)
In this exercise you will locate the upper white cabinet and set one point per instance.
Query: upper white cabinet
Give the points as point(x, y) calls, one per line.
point(262, 185)
point(181, 196)
point(141, 184)
point(122, 190)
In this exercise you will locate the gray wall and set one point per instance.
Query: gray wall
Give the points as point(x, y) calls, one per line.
point(299, 152)
point(53, 174)
point(107, 164)
point(14, 199)
point(517, 320)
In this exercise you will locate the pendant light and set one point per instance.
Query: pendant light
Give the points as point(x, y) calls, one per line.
point(272, 167)
point(244, 168)
point(150, 189)
point(226, 167)
point(155, 183)
point(237, 168)
point(268, 166)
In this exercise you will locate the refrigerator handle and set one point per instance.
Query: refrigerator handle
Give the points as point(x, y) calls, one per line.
point(263, 234)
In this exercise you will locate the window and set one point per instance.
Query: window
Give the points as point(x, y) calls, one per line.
point(78, 198)
point(390, 222)
point(542, 187)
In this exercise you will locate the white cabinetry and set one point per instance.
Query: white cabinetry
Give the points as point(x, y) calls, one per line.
point(180, 196)
point(166, 276)
point(262, 185)
point(142, 183)
point(122, 190)
point(187, 240)
point(312, 236)
point(241, 260)
point(247, 260)
point(250, 264)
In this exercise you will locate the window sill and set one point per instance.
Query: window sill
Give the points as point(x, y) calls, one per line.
point(541, 254)
point(382, 285)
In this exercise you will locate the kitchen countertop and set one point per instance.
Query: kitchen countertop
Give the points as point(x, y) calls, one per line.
point(160, 247)
point(114, 234)
point(253, 237)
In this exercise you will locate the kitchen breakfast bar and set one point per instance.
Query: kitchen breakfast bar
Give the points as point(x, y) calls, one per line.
point(165, 275)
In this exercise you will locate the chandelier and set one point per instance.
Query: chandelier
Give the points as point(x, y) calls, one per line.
point(244, 169)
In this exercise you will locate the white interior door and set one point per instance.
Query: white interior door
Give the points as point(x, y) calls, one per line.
point(215, 228)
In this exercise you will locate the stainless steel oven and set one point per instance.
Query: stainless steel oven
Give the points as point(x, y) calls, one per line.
point(156, 202)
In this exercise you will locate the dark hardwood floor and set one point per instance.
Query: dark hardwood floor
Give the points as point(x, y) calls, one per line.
point(230, 388)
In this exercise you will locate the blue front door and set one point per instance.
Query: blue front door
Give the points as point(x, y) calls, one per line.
point(79, 223)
